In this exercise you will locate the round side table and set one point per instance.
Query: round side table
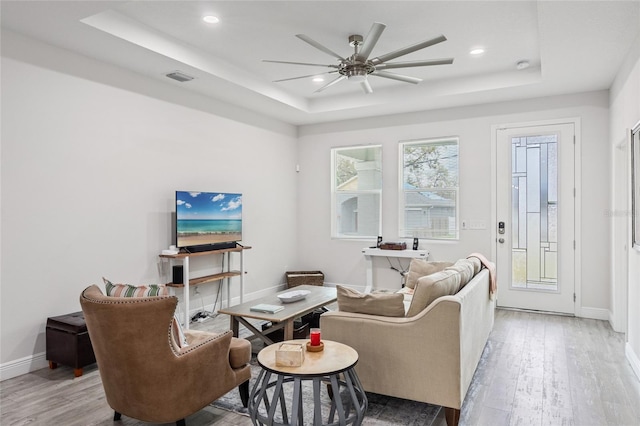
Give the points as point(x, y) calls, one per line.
point(333, 366)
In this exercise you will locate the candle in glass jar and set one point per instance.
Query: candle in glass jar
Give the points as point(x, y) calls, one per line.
point(315, 337)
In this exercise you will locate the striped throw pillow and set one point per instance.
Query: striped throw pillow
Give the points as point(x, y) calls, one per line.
point(128, 290)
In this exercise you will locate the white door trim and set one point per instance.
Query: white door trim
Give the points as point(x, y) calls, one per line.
point(578, 196)
point(620, 229)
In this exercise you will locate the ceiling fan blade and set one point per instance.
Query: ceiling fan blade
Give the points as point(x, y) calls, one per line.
point(405, 78)
point(304, 76)
point(408, 49)
point(319, 46)
point(388, 66)
point(300, 63)
point(370, 40)
point(366, 86)
point(326, 86)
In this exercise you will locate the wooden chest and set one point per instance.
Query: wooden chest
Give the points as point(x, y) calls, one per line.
point(68, 342)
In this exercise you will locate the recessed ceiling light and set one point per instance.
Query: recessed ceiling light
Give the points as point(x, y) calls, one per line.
point(318, 79)
point(477, 51)
point(210, 19)
point(522, 65)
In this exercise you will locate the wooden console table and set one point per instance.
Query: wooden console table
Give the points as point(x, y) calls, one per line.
point(223, 276)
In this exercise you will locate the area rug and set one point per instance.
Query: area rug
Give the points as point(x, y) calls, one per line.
point(381, 410)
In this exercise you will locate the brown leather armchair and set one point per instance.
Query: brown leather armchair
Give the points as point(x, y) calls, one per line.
point(145, 374)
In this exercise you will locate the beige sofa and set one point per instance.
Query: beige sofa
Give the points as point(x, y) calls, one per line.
point(429, 357)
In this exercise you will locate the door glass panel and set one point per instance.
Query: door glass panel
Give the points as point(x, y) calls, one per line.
point(534, 212)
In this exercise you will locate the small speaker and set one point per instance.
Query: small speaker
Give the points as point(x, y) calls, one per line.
point(415, 244)
point(177, 274)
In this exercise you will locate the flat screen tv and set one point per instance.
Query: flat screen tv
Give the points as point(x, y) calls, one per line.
point(208, 220)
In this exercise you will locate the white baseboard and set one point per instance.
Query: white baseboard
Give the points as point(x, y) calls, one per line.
point(617, 327)
point(360, 288)
point(633, 359)
point(22, 366)
point(594, 313)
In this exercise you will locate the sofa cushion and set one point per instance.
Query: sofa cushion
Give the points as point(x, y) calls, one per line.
point(239, 349)
point(477, 264)
point(419, 268)
point(383, 304)
point(407, 294)
point(465, 268)
point(430, 287)
point(239, 352)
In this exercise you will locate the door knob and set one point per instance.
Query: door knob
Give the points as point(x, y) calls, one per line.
point(501, 240)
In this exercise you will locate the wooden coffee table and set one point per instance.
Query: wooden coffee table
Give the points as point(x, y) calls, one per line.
point(317, 298)
point(334, 366)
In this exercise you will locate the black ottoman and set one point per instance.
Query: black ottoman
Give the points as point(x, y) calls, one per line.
point(68, 342)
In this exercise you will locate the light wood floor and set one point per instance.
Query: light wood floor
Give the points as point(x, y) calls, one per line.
point(537, 370)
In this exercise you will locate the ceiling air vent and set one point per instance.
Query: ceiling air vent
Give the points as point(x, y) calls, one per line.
point(179, 76)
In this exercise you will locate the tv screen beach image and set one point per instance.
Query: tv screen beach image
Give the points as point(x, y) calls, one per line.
point(207, 218)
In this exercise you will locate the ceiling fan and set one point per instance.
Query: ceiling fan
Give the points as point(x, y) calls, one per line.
point(358, 66)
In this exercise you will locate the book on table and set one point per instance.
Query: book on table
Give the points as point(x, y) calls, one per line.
point(267, 308)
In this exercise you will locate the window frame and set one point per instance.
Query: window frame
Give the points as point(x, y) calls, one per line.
point(403, 232)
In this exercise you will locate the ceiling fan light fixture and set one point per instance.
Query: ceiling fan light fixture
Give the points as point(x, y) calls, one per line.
point(356, 72)
point(357, 78)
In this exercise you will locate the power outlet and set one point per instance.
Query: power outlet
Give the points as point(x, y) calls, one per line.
point(196, 290)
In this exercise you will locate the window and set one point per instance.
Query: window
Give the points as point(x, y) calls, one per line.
point(429, 189)
point(356, 192)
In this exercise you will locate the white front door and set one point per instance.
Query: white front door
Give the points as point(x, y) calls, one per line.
point(535, 217)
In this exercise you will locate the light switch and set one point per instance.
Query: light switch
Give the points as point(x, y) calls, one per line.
point(477, 224)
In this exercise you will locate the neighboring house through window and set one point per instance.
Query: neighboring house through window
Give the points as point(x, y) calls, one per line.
point(356, 191)
point(429, 189)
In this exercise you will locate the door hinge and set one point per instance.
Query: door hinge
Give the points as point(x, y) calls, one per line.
point(574, 297)
point(574, 139)
point(574, 193)
point(574, 244)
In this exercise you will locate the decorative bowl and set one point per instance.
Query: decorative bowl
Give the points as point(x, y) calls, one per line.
point(293, 296)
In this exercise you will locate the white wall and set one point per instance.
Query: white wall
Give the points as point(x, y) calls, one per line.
point(89, 171)
point(342, 261)
point(624, 114)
